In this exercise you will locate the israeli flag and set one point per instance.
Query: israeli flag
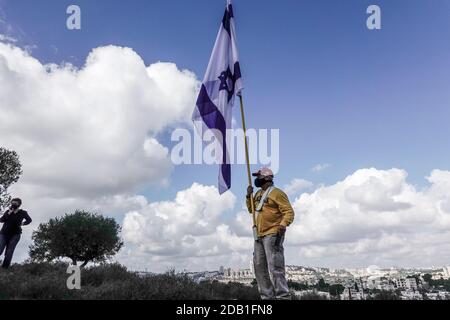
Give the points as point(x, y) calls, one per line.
point(221, 84)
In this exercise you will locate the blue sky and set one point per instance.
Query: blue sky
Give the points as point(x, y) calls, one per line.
point(339, 93)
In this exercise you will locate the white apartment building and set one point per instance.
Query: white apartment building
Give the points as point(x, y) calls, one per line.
point(352, 294)
point(406, 283)
point(411, 284)
point(380, 283)
point(440, 295)
point(446, 273)
point(244, 276)
point(411, 295)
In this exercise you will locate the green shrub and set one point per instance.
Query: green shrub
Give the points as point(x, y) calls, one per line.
point(95, 276)
point(312, 296)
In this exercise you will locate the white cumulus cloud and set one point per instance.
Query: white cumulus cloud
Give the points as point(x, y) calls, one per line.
point(296, 186)
point(91, 131)
point(184, 233)
point(374, 217)
point(321, 167)
point(88, 137)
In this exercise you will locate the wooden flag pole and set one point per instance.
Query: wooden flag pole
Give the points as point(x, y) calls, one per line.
point(247, 158)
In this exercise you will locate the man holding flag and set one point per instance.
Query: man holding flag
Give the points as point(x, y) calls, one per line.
point(213, 112)
point(275, 214)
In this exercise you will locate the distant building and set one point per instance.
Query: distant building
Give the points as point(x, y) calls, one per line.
point(439, 295)
point(411, 284)
point(352, 294)
point(446, 273)
point(358, 282)
point(411, 295)
point(245, 276)
point(300, 294)
point(380, 283)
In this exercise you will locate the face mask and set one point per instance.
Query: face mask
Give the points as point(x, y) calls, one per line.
point(259, 183)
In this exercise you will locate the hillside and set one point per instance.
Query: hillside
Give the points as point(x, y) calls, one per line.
point(111, 282)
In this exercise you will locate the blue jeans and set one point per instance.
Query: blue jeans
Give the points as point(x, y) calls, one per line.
point(9, 243)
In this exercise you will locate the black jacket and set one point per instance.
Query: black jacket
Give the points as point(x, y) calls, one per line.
point(12, 222)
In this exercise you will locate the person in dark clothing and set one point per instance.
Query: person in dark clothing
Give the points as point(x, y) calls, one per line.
point(13, 219)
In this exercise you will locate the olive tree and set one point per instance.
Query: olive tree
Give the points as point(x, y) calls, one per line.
point(81, 237)
point(10, 171)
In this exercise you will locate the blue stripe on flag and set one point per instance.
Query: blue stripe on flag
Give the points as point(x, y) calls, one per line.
point(214, 120)
point(226, 21)
point(237, 72)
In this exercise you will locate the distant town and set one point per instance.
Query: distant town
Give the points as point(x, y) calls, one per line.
point(350, 284)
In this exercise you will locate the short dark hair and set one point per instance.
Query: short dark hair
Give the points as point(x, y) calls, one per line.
point(17, 200)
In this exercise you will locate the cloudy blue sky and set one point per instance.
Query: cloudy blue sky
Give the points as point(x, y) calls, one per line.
point(370, 108)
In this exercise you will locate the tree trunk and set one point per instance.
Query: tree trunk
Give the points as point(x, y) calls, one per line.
point(74, 262)
point(84, 264)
